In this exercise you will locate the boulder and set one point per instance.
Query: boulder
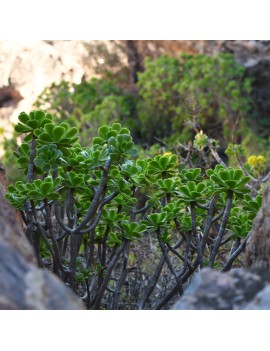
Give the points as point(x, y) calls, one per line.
point(238, 289)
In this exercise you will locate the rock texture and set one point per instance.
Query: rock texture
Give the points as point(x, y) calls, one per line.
point(27, 67)
point(236, 290)
point(247, 52)
point(258, 245)
point(23, 285)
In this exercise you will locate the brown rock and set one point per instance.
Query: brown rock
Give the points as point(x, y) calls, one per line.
point(258, 245)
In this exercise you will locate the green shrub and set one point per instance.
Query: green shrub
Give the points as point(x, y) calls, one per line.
point(167, 90)
point(105, 219)
point(168, 85)
point(87, 105)
point(158, 89)
point(13, 172)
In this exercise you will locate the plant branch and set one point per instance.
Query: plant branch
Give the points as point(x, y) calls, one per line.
point(222, 228)
point(235, 254)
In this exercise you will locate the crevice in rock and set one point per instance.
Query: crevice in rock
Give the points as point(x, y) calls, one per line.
point(9, 96)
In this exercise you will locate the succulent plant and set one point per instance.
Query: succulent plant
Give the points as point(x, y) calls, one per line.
point(229, 179)
point(28, 124)
point(63, 136)
point(48, 157)
point(192, 192)
point(163, 166)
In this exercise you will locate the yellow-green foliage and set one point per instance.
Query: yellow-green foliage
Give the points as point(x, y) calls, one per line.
point(218, 83)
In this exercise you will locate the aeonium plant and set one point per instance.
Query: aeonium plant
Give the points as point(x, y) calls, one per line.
point(113, 226)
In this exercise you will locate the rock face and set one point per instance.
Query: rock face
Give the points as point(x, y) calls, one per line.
point(247, 52)
point(258, 245)
point(27, 67)
point(23, 285)
point(236, 290)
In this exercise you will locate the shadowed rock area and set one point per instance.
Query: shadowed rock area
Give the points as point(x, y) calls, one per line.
point(238, 289)
point(258, 245)
point(23, 286)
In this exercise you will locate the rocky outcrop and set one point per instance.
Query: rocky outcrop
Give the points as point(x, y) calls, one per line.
point(258, 245)
point(27, 67)
point(236, 290)
point(247, 52)
point(23, 285)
